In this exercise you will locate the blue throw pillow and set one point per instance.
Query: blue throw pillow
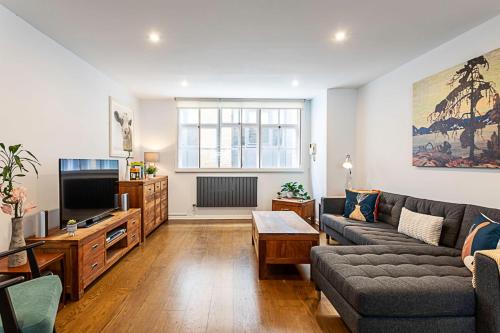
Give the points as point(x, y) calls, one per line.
point(483, 235)
point(360, 205)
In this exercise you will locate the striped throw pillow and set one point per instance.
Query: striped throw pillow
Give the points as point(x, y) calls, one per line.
point(426, 228)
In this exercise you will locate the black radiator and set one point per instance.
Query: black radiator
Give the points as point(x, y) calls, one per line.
point(226, 191)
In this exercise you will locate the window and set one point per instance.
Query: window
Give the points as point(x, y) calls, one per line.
point(231, 138)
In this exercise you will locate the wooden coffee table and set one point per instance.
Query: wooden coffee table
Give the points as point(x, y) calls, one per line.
point(282, 238)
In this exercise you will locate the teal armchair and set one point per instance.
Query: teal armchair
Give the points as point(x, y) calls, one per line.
point(29, 306)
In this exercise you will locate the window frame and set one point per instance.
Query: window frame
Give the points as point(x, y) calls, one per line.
point(241, 126)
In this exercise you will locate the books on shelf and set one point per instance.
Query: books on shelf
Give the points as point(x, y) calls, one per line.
point(137, 170)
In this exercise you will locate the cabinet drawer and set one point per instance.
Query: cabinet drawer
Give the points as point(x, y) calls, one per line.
point(157, 187)
point(93, 248)
point(92, 268)
point(133, 237)
point(133, 224)
point(163, 184)
point(149, 190)
point(293, 208)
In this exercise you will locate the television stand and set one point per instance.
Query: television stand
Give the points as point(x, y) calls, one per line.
point(88, 253)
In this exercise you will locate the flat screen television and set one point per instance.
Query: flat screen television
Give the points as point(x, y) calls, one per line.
point(87, 189)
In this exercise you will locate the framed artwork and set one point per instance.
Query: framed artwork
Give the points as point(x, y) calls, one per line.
point(456, 116)
point(121, 129)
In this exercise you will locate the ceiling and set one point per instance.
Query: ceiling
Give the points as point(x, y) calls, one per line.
point(249, 48)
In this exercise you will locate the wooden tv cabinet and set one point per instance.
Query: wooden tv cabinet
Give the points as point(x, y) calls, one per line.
point(151, 196)
point(88, 255)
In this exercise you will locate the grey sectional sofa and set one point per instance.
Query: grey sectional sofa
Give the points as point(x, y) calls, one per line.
point(384, 281)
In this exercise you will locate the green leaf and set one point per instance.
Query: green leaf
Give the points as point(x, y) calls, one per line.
point(2, 145)
point(36, 159)
point(14, 149)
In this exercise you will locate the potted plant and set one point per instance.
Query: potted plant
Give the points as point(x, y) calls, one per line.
point(14, 164)
point(295, 190)
point(151, 171)
point(71, 227)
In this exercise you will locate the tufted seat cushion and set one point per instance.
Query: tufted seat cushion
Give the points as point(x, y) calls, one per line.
point(338, 223)
point(398, 281)
point(369, 236)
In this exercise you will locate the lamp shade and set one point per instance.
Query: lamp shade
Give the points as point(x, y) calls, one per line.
point(151, 157)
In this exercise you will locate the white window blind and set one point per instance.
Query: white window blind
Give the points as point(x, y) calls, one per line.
point(239, 134)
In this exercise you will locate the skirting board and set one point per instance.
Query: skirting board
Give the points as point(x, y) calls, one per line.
point(210, 217)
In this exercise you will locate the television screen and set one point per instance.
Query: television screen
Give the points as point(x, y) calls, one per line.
point(87, 189)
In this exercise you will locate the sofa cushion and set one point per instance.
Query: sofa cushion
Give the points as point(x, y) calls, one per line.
point(470, 214)
point(452, 214)
point(361, 205)
point(338, 223)
point(389, 207)
point(370, 236)
point(426, 228)
point(398, 281)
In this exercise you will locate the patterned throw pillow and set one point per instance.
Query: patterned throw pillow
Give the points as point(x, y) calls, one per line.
point(483, 235)
point(426, 228)
point(360, 205)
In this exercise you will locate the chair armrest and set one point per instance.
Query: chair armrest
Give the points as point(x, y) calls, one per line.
point(10, 282)
point(24, 248)
point(487, 294)
point(332, 205)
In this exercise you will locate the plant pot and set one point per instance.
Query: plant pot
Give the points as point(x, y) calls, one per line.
point(17, 241)
point(289, 195)
point(71, 229)
point(150, 176)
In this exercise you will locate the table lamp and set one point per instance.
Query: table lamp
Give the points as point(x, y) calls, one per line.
point(151, 157)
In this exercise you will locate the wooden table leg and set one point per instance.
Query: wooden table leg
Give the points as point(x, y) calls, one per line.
point(63, 278)
point(262, 260)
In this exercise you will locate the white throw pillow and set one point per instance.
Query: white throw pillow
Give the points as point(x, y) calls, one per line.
point(426, 228)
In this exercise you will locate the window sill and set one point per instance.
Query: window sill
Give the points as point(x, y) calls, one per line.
point(271, 170)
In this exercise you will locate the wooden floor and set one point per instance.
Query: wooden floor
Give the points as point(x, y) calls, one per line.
point(198, 277)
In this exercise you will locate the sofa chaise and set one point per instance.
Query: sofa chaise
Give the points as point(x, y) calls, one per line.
point(384, 281)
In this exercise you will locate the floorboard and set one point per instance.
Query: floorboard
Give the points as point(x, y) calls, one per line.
point(198, 277)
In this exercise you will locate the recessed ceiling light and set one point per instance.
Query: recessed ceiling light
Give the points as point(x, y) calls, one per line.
point(154, 37)
point(295, 83)
point(340, 36)
point(184, 83)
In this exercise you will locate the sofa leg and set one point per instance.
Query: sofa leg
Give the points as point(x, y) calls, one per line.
point(327, 239)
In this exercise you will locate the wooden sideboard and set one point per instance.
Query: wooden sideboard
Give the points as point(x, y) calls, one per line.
point(151, 196)
point(304, 208)
point(88, 254)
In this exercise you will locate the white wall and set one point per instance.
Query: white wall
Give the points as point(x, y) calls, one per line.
point(341, 134)
point(384, 120)
point(318, 136)
point(52, 102)
point(159, 133)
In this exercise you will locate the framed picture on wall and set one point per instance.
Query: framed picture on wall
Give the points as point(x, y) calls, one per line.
point(121, 129)
point(456, 116)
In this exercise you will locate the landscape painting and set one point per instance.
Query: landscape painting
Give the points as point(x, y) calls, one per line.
point(456, 116)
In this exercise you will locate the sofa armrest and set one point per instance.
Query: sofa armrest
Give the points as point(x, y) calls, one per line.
point(332, 205)
point(487, 295)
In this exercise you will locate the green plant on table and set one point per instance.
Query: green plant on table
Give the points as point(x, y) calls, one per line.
point(151, 170)
point(296, 190)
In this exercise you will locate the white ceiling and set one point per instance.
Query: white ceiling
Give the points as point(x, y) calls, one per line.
point(249, 48)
